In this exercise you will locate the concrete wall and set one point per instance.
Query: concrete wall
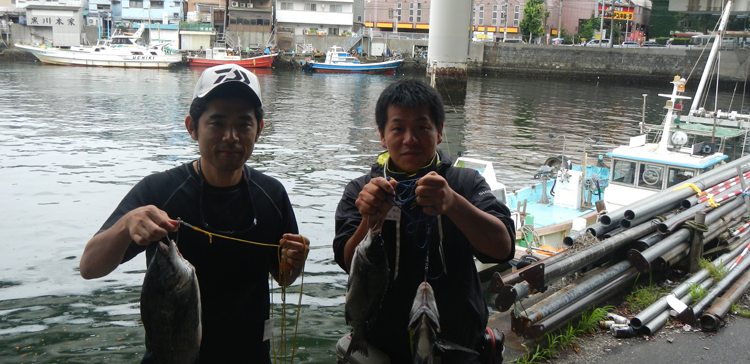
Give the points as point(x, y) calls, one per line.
point(625, 65)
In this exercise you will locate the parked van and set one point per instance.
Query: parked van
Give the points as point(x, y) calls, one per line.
point(598, 43)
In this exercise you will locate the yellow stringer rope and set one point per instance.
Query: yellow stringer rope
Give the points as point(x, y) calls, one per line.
point(283, 276)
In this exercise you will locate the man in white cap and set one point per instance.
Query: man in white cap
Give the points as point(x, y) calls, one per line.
point(217, 193)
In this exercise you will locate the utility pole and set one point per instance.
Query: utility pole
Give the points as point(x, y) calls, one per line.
point(505, 14)
point(601, 22)
point(611, 25)
point(559, 21)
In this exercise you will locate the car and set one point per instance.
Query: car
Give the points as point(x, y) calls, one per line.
point(557, 41)
point(598, 43)
point(514, 40)
point(652, 44)
point(629, 44)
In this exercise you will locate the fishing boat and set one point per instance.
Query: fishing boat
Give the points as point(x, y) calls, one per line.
point(120, 50)
point(221, 55)
point(340, 61)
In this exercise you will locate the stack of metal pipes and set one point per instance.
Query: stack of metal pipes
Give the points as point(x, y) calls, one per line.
point(669, 228)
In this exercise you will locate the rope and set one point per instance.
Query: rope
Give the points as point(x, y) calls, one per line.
point(284, 272)
point(694, 226)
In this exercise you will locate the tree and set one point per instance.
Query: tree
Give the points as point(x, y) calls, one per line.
point(534, 16)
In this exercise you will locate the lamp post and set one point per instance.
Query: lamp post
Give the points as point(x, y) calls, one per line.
point(505, 16)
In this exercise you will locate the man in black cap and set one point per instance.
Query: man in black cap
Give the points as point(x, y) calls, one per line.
point(217, 193)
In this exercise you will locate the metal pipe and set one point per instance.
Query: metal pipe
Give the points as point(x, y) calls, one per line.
point(675, 221)
point(647, 241)
point(572, 310)
point(670, 258)
point(612, 219)
point(641, 260)
point(661, 304)
point(677, 194)
point(569, 240)
point(713, 316)
point(512, 278)
point(721, 286)
point(562, 298)
point(613, 232)
point(692, 200)
point(661, 318)
point(584, 257)
point(628, 223)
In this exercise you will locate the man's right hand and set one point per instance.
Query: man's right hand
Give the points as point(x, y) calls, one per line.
point(147, 224)
point(104, 252)
point(375, 200)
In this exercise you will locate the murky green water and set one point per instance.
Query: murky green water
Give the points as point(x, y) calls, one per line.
point(74, 140)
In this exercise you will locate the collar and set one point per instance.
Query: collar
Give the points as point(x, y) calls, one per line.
point(385, 157)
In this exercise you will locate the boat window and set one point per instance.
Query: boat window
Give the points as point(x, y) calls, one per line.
point(678, 175)
point(650, 176)
point(153, 53)
point(624, 172)
point(137, 53)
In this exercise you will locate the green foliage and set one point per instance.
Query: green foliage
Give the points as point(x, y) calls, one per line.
point(643, 296)
point(566, 337)
point(696, 293)
point(534, 16)
point(715, 272)
point(744, 313)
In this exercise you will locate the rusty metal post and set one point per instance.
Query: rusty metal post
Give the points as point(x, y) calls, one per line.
point(696, 247)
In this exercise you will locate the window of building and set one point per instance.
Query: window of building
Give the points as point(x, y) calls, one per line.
point(333, 31)
point(175, 15)
point(157, 5)
point(286, 6)
point(494, 15)
point(175, 4)
point(398, 12)
point(516, 15)
point(135, 4)
point(503, 15)
point(359, 18)
point(335, 8)
point(481, 14)
point(311, 7)
point(102, 6)
point(411, 12)
point(419, 12)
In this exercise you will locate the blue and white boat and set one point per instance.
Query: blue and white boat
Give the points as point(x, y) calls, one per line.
point(340, 61)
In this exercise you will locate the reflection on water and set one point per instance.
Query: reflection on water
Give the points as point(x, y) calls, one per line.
point(73, 141)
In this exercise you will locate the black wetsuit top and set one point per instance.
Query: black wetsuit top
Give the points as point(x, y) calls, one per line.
point(233, 276)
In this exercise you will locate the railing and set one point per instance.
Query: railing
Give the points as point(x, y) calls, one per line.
point(399, 35)
point(204, 27)
point(351, 41)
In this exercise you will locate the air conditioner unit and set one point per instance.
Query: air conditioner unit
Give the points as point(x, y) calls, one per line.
point(234, 4)
point(250, 5)
point(92, 21)
point(323, 6)
point(242, 5)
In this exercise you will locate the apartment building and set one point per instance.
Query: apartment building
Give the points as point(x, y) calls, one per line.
point(328, 17)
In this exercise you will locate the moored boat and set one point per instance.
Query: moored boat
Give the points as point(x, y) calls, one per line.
point(221, 55)
point(339, 61)
point(121, 50)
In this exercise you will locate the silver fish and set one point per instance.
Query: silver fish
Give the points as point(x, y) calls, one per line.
point(424, 320)
point(368, 282)
point(171, 307)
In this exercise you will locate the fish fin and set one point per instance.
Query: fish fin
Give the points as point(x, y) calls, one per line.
point(444, 345)
point(357, 345)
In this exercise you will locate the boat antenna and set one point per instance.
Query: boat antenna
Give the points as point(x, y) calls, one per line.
point(711, 56)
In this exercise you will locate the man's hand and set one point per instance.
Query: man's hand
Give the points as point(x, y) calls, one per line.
point(148, 224)
point(294, 249)
point(434, 193)
point(373, 200)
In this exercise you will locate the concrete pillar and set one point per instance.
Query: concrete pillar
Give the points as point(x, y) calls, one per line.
point(448, 47)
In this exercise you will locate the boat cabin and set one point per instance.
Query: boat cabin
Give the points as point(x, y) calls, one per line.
point(337, 54)
point(640, 169)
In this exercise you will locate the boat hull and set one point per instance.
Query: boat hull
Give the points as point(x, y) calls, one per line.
point(371, 68)
point(255, 62)
point(63, 57)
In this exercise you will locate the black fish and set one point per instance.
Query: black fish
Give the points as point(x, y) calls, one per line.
point(171, 307)
point(424, 319)
point(368, 282)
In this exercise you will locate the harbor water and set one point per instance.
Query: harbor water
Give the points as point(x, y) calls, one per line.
point(73, 141)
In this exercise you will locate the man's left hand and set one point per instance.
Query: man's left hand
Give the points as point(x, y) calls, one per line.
point(294, 249)
point(434, 193)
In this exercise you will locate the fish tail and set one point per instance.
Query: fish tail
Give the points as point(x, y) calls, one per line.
point(357, 344)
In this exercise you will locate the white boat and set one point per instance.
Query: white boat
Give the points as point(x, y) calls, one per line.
point(120, 50)
point(340, 61)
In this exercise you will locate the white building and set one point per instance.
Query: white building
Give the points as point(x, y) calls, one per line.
point(325, 17)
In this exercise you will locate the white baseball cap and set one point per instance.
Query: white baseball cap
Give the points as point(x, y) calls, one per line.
point(216, 76)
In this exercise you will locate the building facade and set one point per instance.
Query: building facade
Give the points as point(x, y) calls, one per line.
point(330, 17)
